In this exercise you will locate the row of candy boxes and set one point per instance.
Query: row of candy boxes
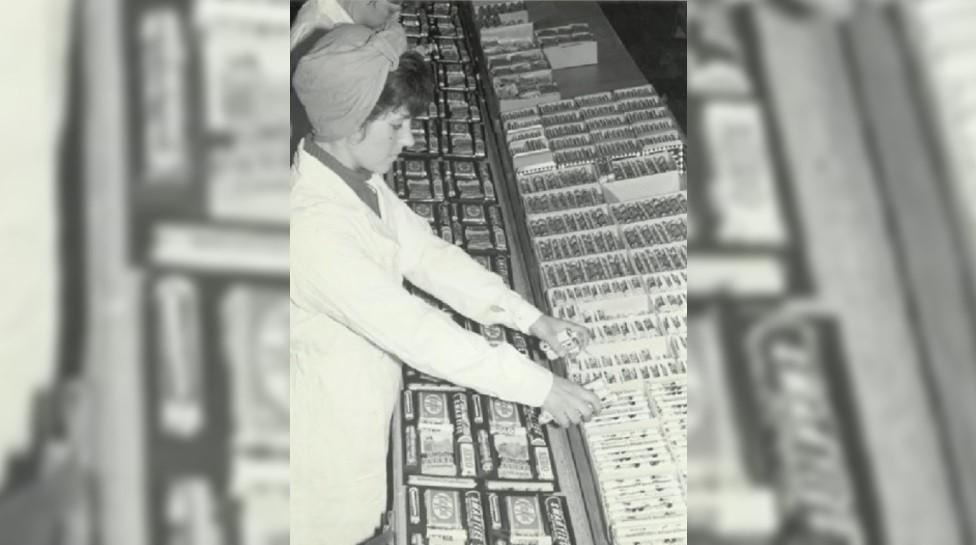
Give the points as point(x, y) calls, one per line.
point(585, 207)
point(437, 179)
point(600, 145)
point(616, 288)
point(600, 267)
point(460, 138)
point(611, 239)
point(439, 516)
point(472, 226)
point(458, 434)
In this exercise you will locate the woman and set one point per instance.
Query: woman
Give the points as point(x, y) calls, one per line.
point(353, 242)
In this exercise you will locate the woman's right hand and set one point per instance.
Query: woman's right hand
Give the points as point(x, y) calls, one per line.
point(569, 403)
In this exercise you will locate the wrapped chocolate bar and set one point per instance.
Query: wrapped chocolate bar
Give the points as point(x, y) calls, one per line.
point(444, 515)
point(524, 134)
point(557, 107)
point(494, 334)
point(472, 214)
point(477, 237)
point(641, 91)
point(602, 110)
point(650, 114)
point(499, 240)
point(469, 189)
point(647, 128)
point(424, 210)
point(521, 123)
point(500, 265)
point(594, 99)
point(415, 168)
point(462, 144)
point(563, 199)
point(528, 145)
point(419, 189)
point(570, 141)
point(495, 215)
point(562, 118)
point(519, 341)
point(520, 114)
point(613, 133)
point(566, 129)
point(617, 148)
point(181, 387)
point(638, 104)
point(432, 410)
point(503, 417)
point(478, 138)
point(524, 514)
point(575, 155)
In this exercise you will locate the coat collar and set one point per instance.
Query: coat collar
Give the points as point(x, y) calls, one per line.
point(313, 179)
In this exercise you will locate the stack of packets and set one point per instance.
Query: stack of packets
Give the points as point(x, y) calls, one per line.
point(568, 46)
point(640, 473)
point(490, 14)
point(803, 423)
point(609, 229)
point(452, 125)
point(456, 437)
point(604, 128)
point(519, 71)
point(440, 516)
point(427, 22)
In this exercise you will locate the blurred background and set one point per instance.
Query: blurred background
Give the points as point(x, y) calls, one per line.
point(832, 174)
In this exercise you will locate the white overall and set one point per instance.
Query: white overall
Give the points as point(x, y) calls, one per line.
point(349, 313)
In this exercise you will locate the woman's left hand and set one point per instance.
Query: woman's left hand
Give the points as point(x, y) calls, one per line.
point(547, 329)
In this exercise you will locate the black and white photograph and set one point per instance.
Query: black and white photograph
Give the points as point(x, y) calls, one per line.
point(477, 272)
point(488, 273)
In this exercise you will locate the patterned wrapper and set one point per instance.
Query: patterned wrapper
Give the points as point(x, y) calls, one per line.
point(512, 447)
point(484, 446)
point(475, 518)
point(410, 446)
point(503, 416)
point(443, 509)
point(413, 500)
point(524, 516)
point(557, 521)
point(462, 422)
point(495, 509)
point(433, 410)
point(408, 409)
point(533, 427)
point(544, 464)
point(437, 453)
point(514, 470)
point(468, 462)
point(479, 415)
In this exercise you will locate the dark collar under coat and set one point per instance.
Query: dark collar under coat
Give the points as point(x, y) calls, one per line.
point(355, 179)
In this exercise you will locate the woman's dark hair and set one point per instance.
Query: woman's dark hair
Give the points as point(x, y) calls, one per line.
point(410, 86)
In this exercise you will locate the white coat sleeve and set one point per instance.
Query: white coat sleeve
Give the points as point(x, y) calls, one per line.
point(446, 272)
point(332, 273)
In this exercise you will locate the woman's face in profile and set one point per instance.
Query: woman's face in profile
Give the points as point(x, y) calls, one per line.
point(381, 141)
